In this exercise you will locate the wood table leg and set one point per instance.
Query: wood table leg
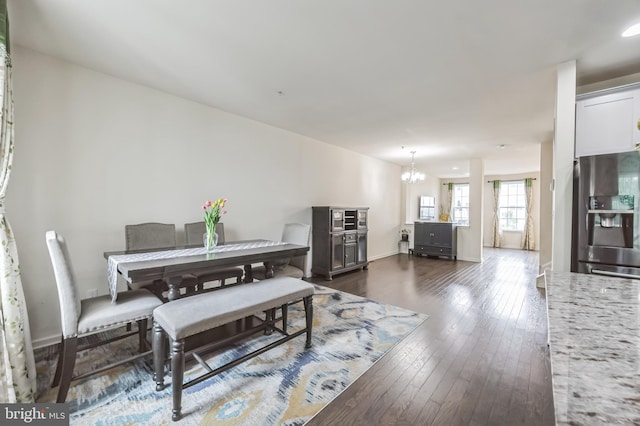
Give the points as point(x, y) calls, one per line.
point(248, 274)
point(268, 269)
point(174, 287)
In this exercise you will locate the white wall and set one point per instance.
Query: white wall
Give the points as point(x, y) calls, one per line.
point(94, 153)
point(510, 239)
point(413, 192)
point(469, 237)
point(608, 84)
point(411, 195)
point(546, 204)
point(473, 235)
point(563, 155)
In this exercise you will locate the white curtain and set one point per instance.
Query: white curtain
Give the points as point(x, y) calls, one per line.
point(447, 208)
point(17, 366)
point(497, 234)
point(528, 239)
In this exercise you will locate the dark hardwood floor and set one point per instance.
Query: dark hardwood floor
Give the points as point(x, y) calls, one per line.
point(480, 359)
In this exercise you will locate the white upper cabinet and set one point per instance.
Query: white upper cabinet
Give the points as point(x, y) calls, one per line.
point(607, 123)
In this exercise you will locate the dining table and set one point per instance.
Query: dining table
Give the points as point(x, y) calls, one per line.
point(172, 263)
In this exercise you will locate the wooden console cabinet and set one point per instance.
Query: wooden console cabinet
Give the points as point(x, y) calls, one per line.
point(339, 239)
point(435, 239)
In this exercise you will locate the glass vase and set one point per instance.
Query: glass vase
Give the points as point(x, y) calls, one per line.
point(210, 239)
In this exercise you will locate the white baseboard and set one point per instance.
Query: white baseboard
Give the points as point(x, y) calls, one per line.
point(45, 341)
point(545, 266)
point(471, 259)
point(380, 256)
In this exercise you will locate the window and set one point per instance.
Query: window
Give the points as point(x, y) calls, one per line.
point(513, 209)
point(427, 210)
point(460, 206)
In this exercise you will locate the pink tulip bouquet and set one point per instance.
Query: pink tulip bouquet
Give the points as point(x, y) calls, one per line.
point(212, 213)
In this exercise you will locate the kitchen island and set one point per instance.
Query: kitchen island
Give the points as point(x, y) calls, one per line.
point(594, 341)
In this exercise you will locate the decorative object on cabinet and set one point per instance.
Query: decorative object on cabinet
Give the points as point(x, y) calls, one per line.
point(404, 234)
point(339, 240)
point(435, 239)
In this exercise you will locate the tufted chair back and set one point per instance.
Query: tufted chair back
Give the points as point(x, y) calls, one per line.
point(70, 306)
point(150, 235)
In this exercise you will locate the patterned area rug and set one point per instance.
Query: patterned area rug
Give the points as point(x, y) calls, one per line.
point(284, 386)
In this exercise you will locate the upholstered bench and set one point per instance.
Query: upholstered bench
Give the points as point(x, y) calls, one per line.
point(186, 317)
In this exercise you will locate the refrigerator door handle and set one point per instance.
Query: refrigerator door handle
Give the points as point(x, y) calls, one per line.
point(586, 223)
point(614, 274)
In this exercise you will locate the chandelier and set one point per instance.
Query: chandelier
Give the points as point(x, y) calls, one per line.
point(413, 176)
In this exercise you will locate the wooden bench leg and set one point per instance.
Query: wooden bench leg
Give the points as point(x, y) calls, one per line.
point(270, 316)
point(248, 274)
point(285, 310)
point(159, 351)
point(177, 376)
point(142, 335)
point(308, 310)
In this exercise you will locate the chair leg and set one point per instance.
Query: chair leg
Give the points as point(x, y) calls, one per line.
point(68, 351)
point(177, 376)
point(56, 377)
point(142, 334)
point(308, 309)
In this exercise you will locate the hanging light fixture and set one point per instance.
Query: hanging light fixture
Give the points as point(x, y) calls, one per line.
point(413, 176)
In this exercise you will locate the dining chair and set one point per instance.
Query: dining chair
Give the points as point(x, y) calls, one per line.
point(296, 267)
point(194, 235)
point(80, 318)
point(150, 235)
point(153, 235)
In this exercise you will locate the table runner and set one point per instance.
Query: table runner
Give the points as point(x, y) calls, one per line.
point(115, 260)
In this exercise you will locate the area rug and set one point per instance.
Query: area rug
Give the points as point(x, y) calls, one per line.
point(287, 385)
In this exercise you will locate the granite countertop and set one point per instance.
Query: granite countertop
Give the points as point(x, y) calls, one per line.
point(594, 341)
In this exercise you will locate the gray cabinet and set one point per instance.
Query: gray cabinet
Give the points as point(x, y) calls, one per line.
point(435, 239)
point(339, 239)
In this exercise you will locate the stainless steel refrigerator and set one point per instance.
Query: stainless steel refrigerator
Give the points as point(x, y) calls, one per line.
point(606, 231)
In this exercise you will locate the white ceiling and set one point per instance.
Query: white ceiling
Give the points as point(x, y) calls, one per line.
point(450, 79)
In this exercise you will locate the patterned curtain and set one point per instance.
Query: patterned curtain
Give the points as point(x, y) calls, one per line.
point(17, 366)
point(446, 209)
point(528, 239)
point(497, 234)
